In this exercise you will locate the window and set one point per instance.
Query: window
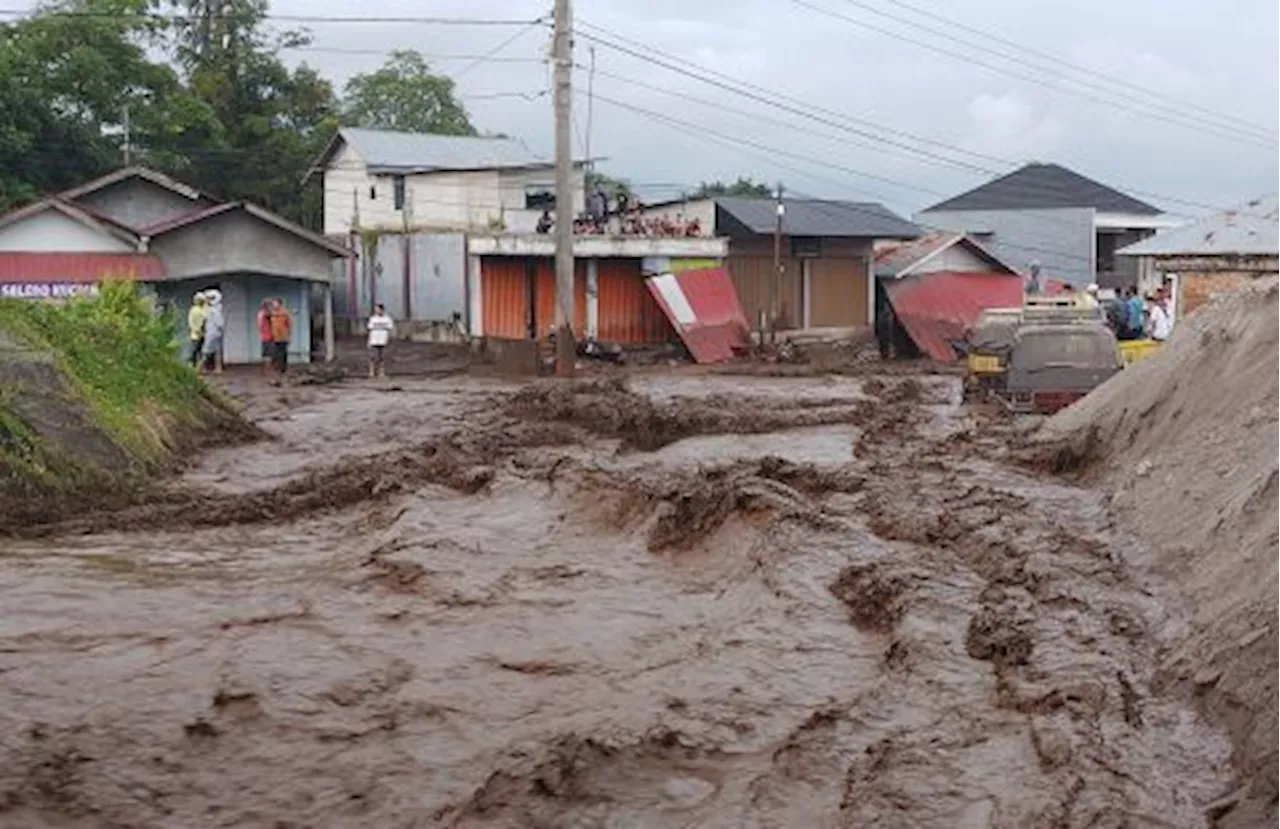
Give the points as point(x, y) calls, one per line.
point(397, 192)
point(805, 246)
point(539, 196)
point(373, 192)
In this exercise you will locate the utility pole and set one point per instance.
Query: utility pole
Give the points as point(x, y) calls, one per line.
point(128, 138)
point(562, 56)
point(775, 286)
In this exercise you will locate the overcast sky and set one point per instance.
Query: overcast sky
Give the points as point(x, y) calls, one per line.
point(1217, 54)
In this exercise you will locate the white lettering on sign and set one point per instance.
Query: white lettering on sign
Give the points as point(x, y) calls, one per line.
point(46, 290)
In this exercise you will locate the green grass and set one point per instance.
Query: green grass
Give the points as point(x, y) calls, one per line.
point(121, 356)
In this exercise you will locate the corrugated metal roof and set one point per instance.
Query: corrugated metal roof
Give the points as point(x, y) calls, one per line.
point(937, 309)
point(30, 267)
point(897, 259)
point(1251, 229)
point(388, 151)
point(1045, 186)
point(703, 307)
point(818, 217)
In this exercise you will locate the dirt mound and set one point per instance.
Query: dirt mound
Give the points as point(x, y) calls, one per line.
point(609, 408)
point(1187, 440)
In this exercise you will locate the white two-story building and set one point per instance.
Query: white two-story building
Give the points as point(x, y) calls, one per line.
point(398, 181)
point(443, 233)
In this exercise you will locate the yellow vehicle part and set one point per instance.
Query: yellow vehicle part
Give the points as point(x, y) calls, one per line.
point(1132, 351)
point(984, 364)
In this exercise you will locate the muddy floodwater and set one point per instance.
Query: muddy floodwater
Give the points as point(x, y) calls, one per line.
point(689, 601)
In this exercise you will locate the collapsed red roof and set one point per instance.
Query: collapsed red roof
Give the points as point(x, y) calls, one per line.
point(937, 309)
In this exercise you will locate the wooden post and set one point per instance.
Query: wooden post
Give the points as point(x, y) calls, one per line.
point(329, 348)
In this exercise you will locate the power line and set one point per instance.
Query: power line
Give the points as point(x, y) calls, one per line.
point(498, 48)
point(280, 18)
point(1084, 70)
point(645, 52)
point(1208, 129)
point(441, 57)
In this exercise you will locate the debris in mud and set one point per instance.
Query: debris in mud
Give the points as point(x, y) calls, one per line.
point(874, 597)
point(609, 408)
point(996, 637)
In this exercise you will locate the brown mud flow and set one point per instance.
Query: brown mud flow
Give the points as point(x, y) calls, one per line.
point(703, 601)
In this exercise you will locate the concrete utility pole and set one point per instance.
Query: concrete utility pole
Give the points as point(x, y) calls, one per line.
point(562, 56)
point(775, 285)
point(128, 137)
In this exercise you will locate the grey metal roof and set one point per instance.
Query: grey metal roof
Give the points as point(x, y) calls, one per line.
point(818, 217)
point(1044, 186)
point(387, 151)
point(1251, 229)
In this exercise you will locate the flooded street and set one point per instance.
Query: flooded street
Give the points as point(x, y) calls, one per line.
point(690, 601)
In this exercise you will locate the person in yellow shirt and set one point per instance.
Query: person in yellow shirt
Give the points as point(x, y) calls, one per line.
point(195, 326)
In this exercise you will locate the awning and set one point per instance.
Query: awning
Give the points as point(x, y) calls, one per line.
point(937, 309)
point(704, 310)
point(25, 267)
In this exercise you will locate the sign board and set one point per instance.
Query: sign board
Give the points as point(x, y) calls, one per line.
point(47, 290)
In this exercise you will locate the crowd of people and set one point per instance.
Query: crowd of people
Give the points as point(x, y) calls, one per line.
point(622, 215)
point(207, 324)
point(1134, 317)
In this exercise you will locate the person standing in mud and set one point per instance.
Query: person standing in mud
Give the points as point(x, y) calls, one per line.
point(264, 336)
point(281, 331)
point(195, 327)
point(380, 328)
point(214, 326)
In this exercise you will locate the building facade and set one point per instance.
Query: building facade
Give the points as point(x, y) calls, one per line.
point(1070, 225)
point(141, 225)
point(379, 180)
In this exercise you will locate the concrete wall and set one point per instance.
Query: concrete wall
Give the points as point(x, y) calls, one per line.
point(238, 242)
point(138, 203)
point(432, 265)
point(469, 200)
point(52, 231)
point(1061, 240)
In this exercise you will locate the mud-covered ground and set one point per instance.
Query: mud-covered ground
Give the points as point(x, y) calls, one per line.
point(686, 601)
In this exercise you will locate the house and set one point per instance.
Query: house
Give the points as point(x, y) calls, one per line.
point(934, 288)
point(1213, 255)
point(1068, 223)
point(138, 224)
point(826, 253)
point(443, 232)
point(399, 181)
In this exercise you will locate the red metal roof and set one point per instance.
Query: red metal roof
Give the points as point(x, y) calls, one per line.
point(703, 308)
point(29, 267)
point(937, 309)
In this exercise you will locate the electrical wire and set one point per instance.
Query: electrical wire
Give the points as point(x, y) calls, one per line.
point(280, 18)
point(1197, 125)
point(1074, 67)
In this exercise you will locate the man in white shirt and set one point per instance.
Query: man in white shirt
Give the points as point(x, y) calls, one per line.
point(1159, 320)
point(380, 327)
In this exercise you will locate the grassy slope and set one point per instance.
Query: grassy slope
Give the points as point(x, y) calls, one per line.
point(94, 393)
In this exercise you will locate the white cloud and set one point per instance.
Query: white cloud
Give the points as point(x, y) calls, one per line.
point(1009, 127)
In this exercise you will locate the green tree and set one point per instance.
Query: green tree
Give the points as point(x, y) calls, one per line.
point(268, 123)
point(405, 95)
point(66, 81)
point(744, 186)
